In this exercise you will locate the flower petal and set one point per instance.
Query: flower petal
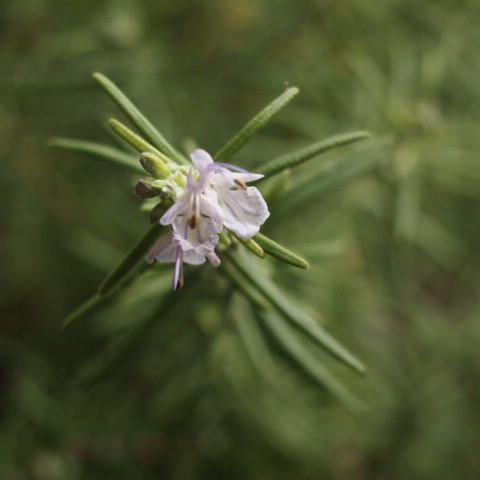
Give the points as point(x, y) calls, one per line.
point(204, 235)
point(211, 209)
point(226, 177)
point(178, 208)
point(202, 160)
point(193, 257)
point(213, 259)
point(163, 251)
point(243, 211)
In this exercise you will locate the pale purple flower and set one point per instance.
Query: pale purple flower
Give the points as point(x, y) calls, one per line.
point(216, 196)
point(242, 207)
point(195, 204)
point(194, 246)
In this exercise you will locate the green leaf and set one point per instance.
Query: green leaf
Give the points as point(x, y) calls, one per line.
point(280, 252)
point(252, 336)
point(251, 244)
point(82, 310)
point(154, 165)
point(332, 175)
point(303, 321)
point(137, 142)
point(255, 124)
point(138, 119)
point(115, 279)
point(244, 286)
point(294, 159)
point(294, 348)
point(128, 263)
point(97, 149)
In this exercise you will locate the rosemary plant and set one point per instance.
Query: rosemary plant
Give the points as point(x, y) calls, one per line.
point(205, 210)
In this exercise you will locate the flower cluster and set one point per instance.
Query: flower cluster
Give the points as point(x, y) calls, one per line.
point(216, 196)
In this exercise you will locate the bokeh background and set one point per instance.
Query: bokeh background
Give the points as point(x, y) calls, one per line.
point(394, 250)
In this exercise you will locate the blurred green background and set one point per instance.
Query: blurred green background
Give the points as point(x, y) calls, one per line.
point(394, 251)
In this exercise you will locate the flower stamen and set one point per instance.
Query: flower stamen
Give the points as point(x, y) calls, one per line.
point(193, 221)
point(240, 183)
point(178, 277)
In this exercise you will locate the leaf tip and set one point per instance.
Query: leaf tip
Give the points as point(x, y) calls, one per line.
point(53, 142)
point(82, 310)
point(292, 92)
point(98, 76)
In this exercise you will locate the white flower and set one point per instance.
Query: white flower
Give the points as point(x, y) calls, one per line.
point(195, 246)
point(194, 205)
point(214, 198)
point(242, 208)
point(222, 195)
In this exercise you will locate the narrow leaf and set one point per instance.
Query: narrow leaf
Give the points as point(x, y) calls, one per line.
point(255, 124)
point(137, 142)
point(290, 343)
point(294, 159)
point(331, 176)
point(138, 119)
point(82, 310)
point(280, 252)
point(244, 286)
point(129, 262)
point(290, 311)
point(97, 149)
point(251, 244)
point(252, 336)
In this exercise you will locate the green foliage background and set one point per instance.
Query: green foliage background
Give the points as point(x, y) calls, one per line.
point(394, 251)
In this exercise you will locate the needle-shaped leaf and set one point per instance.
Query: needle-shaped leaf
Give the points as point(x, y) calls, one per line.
point(99, 150)
point(255, 297)
point(252, 245)
point(122, 348)
point(255, 124)
point(252, 336)
point(278, 251)
point(290, 160)
point(303, 321)
point(293, 347)
point(129, 262)
point(137, 142)
point(86, 307)
point(116, 278)
point(332, 175)
point(138, 119)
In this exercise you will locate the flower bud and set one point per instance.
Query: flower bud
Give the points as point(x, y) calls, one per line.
point(144, 189)
point(154, 165)
point(157, 213)
point(163, 188)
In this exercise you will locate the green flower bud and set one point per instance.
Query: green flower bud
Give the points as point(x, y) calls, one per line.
point(164, 188)
point(180, 178)
point(154, 165)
